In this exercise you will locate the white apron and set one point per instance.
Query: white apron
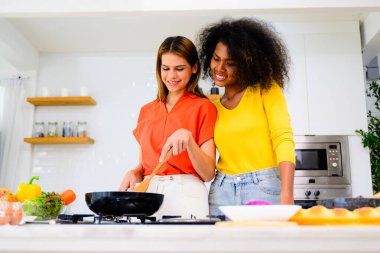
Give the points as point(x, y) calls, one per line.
point(184, 195)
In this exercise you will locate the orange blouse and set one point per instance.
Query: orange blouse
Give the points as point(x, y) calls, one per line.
point(155, 125)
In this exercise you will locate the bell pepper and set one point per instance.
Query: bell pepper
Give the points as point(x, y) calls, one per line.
point(28, 191)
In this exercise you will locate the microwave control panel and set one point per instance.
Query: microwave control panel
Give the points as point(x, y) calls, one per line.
point(334, 160)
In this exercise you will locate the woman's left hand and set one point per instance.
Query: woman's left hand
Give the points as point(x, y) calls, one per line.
point(179, 140)
point(286, 200)
point(287, 182)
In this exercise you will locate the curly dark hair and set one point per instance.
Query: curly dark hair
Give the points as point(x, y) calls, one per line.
point(260, 54)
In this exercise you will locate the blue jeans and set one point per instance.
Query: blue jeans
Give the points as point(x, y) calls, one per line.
point(232, 190)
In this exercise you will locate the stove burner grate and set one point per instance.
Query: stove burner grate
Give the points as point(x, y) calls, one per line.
point(135, 219)
point(126, 218)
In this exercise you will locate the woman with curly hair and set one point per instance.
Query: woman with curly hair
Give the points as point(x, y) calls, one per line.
point(253, 134)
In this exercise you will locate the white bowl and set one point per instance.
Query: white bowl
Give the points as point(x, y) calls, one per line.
point(260, 212)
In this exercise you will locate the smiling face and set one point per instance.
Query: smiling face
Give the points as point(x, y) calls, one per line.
point(223, 67)
point(176, 72)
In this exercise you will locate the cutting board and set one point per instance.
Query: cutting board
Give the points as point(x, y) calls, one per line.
point(255, 223)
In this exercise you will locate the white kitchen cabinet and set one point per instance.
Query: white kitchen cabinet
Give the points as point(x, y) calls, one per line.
point(326, 95)
point(296, 92)
point(335, 85)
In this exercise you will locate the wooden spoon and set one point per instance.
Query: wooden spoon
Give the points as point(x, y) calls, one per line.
point(143, 186)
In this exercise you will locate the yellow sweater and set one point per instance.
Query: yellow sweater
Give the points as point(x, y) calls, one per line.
point(256, 134)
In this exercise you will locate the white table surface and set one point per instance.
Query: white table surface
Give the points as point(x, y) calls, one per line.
point(187, 238)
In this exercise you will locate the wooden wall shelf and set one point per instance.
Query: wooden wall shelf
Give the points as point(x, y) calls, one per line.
point(61, 101)
point(60, 140)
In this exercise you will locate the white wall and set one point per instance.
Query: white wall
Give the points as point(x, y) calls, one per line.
point(15, 49)
point(360, 168)
point(120, 84)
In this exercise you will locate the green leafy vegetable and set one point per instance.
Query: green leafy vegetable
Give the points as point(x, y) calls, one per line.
point(45, 207)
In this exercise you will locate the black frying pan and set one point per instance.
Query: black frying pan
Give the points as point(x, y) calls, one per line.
point(120, 203)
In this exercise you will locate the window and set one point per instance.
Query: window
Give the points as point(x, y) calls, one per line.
point(1, 103)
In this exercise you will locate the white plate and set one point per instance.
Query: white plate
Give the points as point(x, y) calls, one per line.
point(260, 213)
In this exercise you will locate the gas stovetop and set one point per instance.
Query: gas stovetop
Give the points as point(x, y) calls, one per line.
point(134, 219)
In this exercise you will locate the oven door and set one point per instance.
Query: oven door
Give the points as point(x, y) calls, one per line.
point(311, 160)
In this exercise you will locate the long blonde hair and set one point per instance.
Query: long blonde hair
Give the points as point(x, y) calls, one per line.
point(182, 47)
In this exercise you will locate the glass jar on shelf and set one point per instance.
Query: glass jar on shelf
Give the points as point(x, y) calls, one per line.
point(82, 128)
point(52, 130)
point(67, 129)
point(39, 129)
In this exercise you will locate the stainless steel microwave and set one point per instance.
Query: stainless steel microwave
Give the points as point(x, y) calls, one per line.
point(322, 159)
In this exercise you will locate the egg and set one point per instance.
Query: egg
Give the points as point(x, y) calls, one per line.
point(16, 213)
point(5, 212)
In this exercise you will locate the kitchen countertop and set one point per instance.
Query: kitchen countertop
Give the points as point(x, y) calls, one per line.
point(187, 238)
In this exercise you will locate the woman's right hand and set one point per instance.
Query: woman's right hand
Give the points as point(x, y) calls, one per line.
point(133, 176)
point(179, 141)
point(129, 181)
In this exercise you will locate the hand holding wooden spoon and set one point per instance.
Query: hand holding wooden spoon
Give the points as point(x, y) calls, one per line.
point(144, 185)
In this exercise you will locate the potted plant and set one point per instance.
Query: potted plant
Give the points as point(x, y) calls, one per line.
point(371, 138)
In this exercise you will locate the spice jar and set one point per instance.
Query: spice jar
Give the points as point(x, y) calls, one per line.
point(67, 129)
point(52, 129)
point(82, 129)
point(39, 129)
